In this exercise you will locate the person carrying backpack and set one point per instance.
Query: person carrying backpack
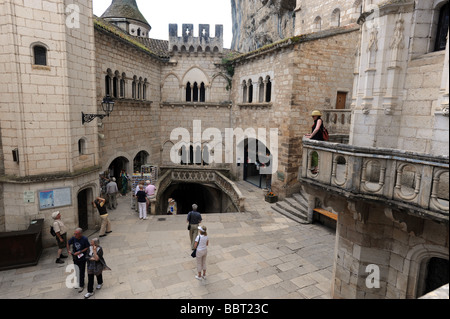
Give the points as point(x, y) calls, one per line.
point(60, 233)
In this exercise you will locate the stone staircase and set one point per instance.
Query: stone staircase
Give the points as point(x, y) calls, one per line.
point(295, 208)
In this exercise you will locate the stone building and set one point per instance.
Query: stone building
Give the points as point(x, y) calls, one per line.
point(48, 66)
point(389, 185)
point(196, 110)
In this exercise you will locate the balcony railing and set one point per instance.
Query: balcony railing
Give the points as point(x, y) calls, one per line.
point(417, 182)
point(337, 121)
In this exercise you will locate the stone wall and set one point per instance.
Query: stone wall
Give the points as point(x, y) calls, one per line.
point(401, 95)
point(176, 112)
point(397, 244)
point(134, 124)
point(302, 81)
point(312, 16)
point(42, 103)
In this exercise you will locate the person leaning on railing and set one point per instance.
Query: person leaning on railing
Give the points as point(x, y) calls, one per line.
point(316, 134)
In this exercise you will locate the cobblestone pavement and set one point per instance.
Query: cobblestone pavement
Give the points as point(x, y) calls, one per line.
point(258, 254)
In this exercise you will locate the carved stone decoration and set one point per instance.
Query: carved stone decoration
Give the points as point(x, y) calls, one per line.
point(373, 40)
point(397, 40)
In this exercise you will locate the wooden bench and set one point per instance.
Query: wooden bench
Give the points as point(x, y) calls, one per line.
point(326, 213)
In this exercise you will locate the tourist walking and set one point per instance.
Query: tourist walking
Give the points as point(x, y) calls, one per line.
point(80, 245)
point(60, 235)
point(201, 245)
point(142, 202)
point(105, 228)
point(111, 192)
point(194, 218)
point(95, 266)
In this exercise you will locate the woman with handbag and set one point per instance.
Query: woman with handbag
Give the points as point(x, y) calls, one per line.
point(200, 249)
point(95, 266)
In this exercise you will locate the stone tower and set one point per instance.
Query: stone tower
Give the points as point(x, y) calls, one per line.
point(48, 82)
point(126, 15)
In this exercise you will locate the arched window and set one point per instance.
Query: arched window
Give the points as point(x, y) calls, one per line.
point(268, 90)
point(336, 18)
point(108, 85)
point(144, 90)
point(261, 90)
point(205, 155)
point(40, 55)
point(202, 92)
point(250, 91)
point(134, 88)
point(198, 155)
point(188, 92)
point(115, 87)
point(442, 31)
point(317, 26)
point(191, 155)
point(244, 92)
point(139, 90)
point(122, 86)
point(195, 92)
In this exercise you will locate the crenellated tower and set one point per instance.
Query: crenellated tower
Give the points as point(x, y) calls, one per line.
point(188, 43)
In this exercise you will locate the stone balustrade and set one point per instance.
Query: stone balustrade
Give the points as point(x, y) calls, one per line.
point(416, 182)
point(337, 121)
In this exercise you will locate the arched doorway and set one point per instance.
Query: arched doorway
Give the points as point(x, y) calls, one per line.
point(436, 274)
point(85, 197)
point(140, 159)
point(256, 157)
point(116, 167)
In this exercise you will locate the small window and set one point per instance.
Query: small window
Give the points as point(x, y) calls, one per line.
point(202, 92)
point(244, 92)
point(40, 55)
point(268, 90)
point(188, 92)
point(108, 85)
point(81, 146)
point(122, 88)
point(250, 91)
point(441, 36)
point(144, 91)
point(195, 92)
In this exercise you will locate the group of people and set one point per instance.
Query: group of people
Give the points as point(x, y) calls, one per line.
point(87, 255)
point(144, 193)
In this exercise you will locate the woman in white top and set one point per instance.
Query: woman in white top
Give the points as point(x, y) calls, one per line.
point(201, 243)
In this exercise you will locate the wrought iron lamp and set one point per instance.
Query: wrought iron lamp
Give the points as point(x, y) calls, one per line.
point(107, 106)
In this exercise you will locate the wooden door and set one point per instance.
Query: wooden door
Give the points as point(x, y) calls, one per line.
point(341, 100)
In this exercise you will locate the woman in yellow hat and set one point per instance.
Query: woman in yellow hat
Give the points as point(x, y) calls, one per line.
point(317, 128)
point(316, 134)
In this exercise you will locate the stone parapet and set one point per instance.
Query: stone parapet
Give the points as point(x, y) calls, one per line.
point(412, 181)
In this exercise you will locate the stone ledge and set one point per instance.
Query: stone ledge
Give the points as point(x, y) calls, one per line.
point(195, 105)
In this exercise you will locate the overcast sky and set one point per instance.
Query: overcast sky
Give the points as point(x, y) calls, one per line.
point(160, 13)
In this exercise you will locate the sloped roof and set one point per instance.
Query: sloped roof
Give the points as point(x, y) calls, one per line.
point(125, 9)
point(154, 47)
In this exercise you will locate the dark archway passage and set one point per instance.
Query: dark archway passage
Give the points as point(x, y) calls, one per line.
point(209, 198)
point(437, 274)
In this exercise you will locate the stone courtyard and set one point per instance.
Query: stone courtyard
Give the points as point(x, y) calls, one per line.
point(257, 254)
